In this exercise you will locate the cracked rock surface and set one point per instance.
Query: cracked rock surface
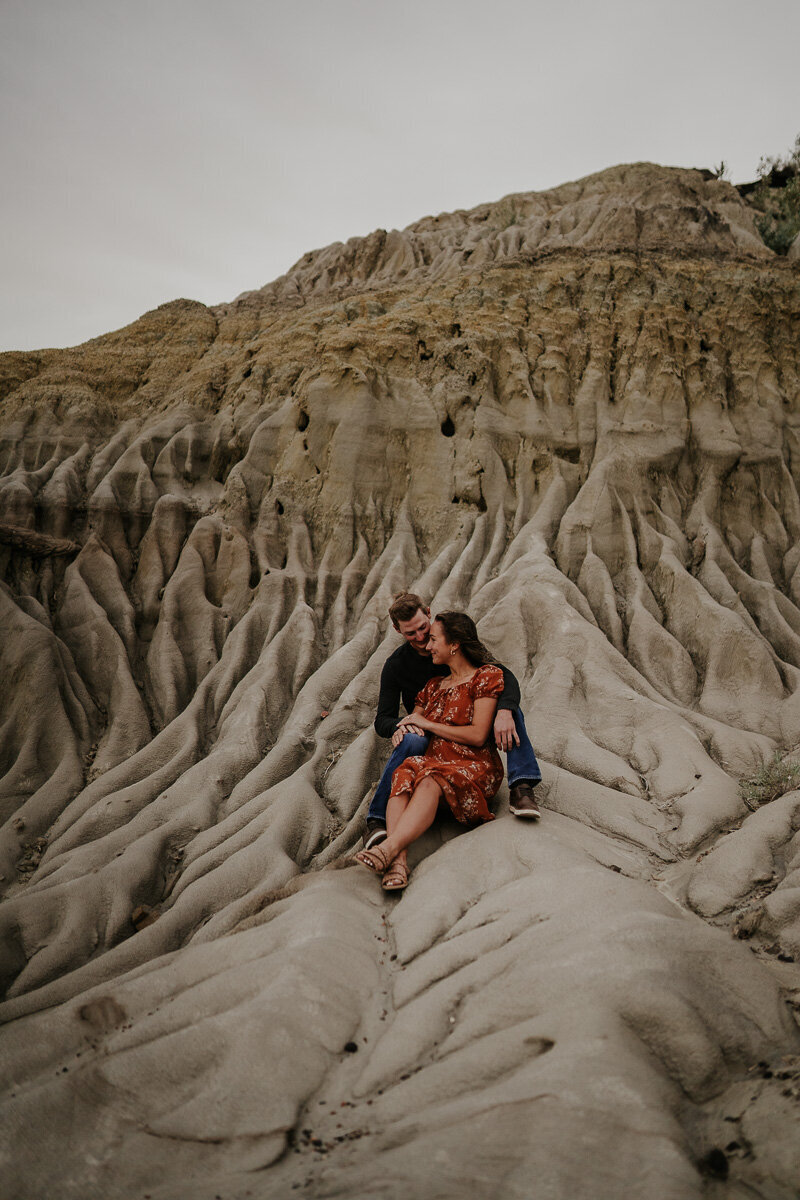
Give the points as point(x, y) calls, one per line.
point(575, 414)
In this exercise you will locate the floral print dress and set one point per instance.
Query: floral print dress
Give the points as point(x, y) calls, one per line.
point(469, 776)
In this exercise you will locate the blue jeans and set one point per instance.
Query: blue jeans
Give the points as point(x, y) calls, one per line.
point(522, 764)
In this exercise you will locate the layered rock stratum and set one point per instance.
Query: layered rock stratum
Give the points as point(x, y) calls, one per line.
point(575, 414)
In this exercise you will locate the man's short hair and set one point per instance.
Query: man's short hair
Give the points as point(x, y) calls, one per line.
point(405, 606)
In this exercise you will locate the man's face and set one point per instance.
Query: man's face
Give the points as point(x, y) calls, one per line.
point(417, 630)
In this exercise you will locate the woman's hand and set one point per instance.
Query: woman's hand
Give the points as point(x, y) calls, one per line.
point(413, 723)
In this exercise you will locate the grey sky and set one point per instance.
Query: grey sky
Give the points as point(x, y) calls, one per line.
point(152, 150)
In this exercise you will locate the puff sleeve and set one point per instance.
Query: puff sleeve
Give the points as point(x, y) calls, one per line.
point(487, 681)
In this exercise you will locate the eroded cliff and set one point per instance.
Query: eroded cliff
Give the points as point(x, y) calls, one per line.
point(575, 414)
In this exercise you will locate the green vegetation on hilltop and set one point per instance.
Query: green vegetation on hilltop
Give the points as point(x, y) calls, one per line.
point(777, 195)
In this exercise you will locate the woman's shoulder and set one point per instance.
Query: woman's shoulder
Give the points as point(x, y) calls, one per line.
point(487, 681)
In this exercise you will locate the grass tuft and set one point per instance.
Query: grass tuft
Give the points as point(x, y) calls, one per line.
point(774, 779)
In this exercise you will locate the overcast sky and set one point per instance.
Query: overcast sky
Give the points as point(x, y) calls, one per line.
point(153, 149)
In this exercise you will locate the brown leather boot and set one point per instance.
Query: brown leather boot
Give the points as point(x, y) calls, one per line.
point(522, 802)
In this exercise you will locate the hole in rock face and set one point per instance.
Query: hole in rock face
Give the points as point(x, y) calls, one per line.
point(714, 1164)
point(103, 1014)
point(302, 420)
point(570, 454)
point(247, 373)
point(703, 346)
point(448, 428)
point(279, 508)
point(539, 1045)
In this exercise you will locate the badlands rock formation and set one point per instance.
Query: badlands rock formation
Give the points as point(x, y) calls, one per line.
point(576, 414)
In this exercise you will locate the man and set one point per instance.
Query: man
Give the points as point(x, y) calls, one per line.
point(404, 674)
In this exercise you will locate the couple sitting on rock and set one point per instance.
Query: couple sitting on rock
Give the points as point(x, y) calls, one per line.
point(453, 692)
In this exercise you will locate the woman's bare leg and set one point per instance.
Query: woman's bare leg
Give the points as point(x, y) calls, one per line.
point(406, 822)
point(395, 808)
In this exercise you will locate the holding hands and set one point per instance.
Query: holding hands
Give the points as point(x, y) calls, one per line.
point(413, 723)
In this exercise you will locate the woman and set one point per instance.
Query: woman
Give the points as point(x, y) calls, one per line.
point(458, 766)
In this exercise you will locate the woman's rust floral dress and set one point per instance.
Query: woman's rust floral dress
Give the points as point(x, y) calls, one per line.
point(468, 775)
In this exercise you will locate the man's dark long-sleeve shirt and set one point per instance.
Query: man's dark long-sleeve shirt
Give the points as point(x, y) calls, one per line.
point(405, 674)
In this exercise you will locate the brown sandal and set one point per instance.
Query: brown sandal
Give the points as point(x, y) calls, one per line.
point(374, 860)
point(396, 878)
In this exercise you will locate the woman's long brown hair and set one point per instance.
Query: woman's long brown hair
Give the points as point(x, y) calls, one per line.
point(458, 627)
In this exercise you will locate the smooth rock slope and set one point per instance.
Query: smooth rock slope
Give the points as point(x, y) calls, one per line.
point(575, 413)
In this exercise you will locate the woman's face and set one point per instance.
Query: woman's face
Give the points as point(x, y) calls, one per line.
point(438, 645)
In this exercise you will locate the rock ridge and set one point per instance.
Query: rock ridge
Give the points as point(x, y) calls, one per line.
point(639, 206)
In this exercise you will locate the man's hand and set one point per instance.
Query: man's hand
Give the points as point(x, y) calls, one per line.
point(505, 731)
point(402, 730)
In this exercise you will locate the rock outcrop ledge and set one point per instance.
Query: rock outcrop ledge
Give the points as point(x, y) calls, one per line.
point(576, 414)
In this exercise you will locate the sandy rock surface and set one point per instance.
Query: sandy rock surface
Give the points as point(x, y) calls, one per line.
point(575, 414)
